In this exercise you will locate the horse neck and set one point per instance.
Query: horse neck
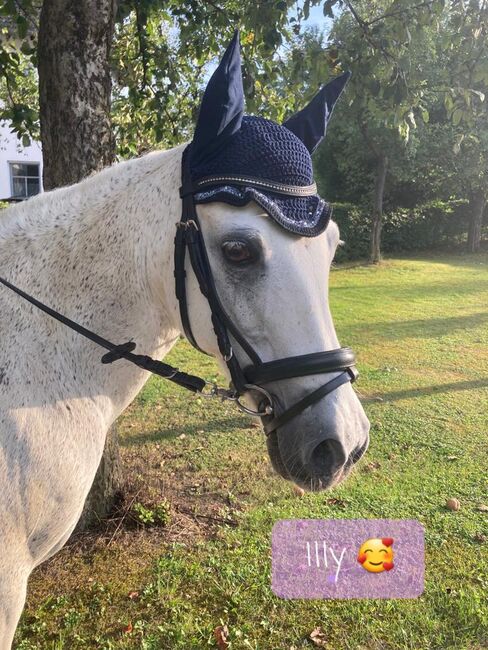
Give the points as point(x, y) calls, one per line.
point(100, 252)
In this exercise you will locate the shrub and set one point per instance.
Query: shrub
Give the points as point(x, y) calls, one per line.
point(157, 515)
point(433, 225)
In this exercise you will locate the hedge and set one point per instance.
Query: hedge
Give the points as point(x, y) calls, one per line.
point(439, 224)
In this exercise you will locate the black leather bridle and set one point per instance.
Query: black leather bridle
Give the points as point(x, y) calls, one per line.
point(189, 238)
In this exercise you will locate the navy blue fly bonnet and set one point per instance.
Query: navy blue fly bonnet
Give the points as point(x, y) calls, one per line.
point(234, 146)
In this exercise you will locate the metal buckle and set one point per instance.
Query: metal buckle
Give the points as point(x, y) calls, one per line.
point(187, 224)
point(220, 393)
point(228, 357)
point(268, 409)
point(226, 394)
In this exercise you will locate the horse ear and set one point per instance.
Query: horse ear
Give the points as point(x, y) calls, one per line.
point(222, 105)
point(310, 124)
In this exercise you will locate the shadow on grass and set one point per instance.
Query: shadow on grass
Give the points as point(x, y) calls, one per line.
point(422, 327)
point(405, 290)
point(459, 258)
point(216, 426)
point(428, 390)
point(456, 258)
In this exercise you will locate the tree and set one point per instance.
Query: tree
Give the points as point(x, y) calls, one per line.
point(73, 53)
point(387, 86)
point(466, 47)
point(75, 39)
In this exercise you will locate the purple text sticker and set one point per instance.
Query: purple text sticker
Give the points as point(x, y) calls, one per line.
point(348, 558)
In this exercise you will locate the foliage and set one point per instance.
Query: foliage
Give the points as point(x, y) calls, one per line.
point(417, 94)
point(431, 225)
point(19, 103)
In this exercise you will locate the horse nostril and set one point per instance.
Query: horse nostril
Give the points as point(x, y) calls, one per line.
point(327, 458)
point(357, 454)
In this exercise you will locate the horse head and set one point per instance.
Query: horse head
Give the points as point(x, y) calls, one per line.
point(269, 243)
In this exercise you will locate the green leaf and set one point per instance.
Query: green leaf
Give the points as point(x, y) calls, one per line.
point(457, 144)
point(457, 116)
point(21, 26)
point(328, 8)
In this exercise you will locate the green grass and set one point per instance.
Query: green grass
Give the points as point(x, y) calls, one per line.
point(420, 328)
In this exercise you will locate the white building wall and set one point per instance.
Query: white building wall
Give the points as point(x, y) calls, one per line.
point(11, 150)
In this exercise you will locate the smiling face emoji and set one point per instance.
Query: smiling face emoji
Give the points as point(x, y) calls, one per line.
point(376, 554)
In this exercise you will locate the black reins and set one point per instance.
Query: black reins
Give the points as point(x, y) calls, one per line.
point(122, 351)
point(189, 238)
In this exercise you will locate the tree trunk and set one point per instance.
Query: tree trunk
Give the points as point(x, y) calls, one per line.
point(106, 487)
point(477, 206)
point(75, 38)
point(377, 222)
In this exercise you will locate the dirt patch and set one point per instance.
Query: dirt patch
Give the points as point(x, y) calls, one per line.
point(121, 549)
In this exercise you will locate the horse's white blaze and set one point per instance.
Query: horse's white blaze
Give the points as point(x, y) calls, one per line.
point(101, 252)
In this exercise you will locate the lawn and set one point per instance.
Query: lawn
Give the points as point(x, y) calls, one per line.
point(189, 548)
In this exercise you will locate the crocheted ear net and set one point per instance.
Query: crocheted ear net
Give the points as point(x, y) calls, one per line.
point(268, 151)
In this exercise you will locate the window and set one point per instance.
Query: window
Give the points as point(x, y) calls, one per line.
point(25, 179)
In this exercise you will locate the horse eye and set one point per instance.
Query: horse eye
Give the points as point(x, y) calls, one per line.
point(237, 252)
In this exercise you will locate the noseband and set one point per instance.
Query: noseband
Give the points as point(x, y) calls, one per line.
point(251, 377)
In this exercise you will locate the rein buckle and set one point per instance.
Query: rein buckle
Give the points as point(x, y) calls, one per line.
point(187, 224)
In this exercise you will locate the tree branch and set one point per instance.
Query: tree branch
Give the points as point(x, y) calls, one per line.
point(364, 28)
point(141, 21)
point(27, 16)
point(400, 12)
point(363, 128)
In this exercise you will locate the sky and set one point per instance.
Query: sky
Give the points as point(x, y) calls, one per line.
point(316, 17)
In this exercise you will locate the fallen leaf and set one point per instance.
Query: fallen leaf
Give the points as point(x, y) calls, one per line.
point(182, 436)
point(374, 464)
point(128, 629)
point(453, 504)
point(318, 638)
point(221, 634)
point(335, 501)
point(453, 458)
point(481, 507)
point(133, 595)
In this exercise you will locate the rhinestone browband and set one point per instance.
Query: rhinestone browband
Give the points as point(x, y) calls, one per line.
point(279, 188)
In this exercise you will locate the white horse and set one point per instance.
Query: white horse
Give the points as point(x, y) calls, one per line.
point(101, 252)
